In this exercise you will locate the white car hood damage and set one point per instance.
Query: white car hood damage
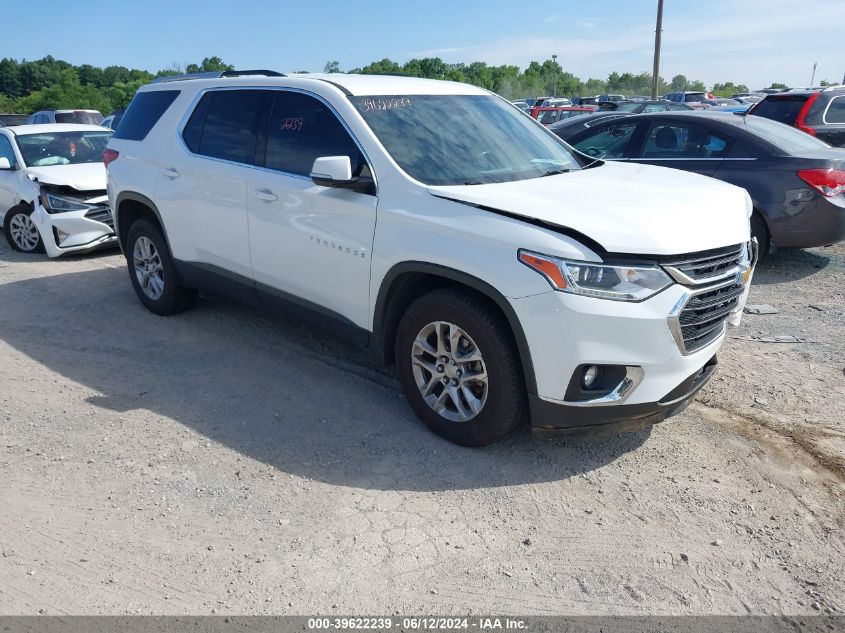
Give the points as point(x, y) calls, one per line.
point(626, 208)
point(82, 177)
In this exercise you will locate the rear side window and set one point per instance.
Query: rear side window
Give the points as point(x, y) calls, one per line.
point(226, 124)
point(303, 129)
point(835, 111)
point(143, 113)
point(781, 109)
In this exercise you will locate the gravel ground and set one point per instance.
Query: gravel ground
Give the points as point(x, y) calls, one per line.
point(225, 461)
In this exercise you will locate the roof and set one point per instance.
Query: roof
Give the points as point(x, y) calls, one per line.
point(44, 128)
point(61, 110)
point(357, 85)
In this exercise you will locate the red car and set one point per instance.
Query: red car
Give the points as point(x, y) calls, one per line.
point(550, 115)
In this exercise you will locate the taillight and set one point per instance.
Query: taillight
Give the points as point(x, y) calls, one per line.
point(801, 119)
point(109, 155)
point(828, 182)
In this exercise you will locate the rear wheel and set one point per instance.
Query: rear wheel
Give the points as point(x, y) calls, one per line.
point(20, 230)
point(152, 271)
point(760, 230)
point(459, 368)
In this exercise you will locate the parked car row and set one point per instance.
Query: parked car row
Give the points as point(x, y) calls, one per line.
point(509, 274)
point(795, 182)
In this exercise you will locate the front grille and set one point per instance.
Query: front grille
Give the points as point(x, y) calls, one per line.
point(702, 319)
point(101, 214)
point(707, 266)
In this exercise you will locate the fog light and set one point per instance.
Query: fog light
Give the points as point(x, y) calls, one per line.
point(61, 236)
point(590, 377)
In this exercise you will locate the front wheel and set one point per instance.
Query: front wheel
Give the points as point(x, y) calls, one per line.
point(20, 230)
point(152, 271)
point(459, 368)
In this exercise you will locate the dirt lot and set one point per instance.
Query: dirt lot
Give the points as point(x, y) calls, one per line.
point(224, 461)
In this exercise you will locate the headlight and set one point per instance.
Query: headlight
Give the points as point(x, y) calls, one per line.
point(618, 283)
point(58, 204)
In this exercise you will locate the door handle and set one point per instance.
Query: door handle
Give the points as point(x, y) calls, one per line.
point(171, 172)
point(265, 194)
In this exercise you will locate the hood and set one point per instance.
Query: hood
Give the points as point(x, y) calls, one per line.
point(626, 208)
point(82, 177)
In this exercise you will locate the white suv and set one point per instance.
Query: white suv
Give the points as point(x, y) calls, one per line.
point(503, 274)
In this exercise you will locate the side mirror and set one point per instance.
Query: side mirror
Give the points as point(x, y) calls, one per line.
point(331, 171)
point(336, 171)
point(4, 163)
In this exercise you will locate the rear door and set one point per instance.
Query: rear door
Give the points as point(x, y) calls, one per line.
point(202, 192)
point(682, 144)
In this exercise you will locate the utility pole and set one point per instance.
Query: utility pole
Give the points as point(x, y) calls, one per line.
point(655, 74)
point(554, 88)
point(813, 76)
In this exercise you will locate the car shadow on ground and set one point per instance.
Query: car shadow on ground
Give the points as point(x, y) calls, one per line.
point(271, 390)
point(792, 264)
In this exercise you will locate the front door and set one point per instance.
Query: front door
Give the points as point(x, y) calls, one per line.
point(685, 145)
point(310, 243)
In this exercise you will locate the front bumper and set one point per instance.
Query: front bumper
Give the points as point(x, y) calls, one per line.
point(552, 418)
point(83, 233)
point(566, 332)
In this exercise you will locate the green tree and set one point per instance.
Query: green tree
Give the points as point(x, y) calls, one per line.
point(679, 83)
point(67, 92)
point(208, 65)
point(332, 67)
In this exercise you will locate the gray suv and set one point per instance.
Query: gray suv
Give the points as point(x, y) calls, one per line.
point(819, 112)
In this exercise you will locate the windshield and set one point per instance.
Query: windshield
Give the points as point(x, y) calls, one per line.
point(79, 116)
point(63, 148)
point(463, 139)
point(628, 107)
point(695, 97)
point(783, 136)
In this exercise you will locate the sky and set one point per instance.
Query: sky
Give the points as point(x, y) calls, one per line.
point(755, 42)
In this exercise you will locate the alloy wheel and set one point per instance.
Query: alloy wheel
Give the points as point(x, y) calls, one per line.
point(24, 232)
point(449, 371)
point(148, 268)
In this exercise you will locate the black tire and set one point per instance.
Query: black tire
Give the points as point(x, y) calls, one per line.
point(21, 209)
point(760, 230)
point(174, 297)
point(506, 399)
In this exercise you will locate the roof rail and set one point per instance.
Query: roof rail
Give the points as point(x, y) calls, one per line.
point(216, 75)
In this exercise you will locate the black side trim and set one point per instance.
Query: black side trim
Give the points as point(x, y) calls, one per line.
point(381, 307)
point(338, 86)
point(557, 228)
point(551, 418)
point(125, 196)
point(260, 71)
point(243, 289)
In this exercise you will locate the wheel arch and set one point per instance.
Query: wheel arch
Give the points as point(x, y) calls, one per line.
point(131, 206)
point(406, 281)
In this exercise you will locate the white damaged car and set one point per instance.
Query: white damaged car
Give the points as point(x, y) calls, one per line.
point(53, 188)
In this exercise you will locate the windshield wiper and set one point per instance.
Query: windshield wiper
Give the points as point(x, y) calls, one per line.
point(555, 172)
